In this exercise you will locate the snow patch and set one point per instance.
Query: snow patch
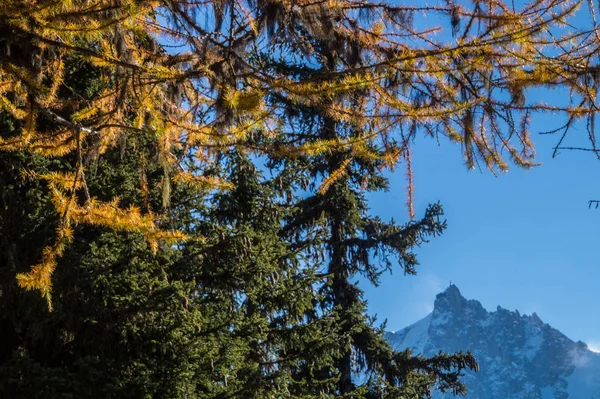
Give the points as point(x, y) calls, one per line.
point(535, 339)
point(416, 335)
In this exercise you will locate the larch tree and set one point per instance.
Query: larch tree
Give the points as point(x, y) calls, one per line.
point(328, 95)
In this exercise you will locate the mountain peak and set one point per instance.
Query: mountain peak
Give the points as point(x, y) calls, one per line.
point(450, 299)
point(536, 319)
point(519, 356)
point(452, 290)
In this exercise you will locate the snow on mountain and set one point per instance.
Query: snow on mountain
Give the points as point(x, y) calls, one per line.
point(520, 356)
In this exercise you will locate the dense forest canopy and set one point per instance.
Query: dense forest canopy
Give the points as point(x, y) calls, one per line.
point(187, 180)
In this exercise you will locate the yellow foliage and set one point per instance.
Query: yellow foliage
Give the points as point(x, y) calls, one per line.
point(85, 113)
point(62, 181)
point(243, 100)
point(203, 182)
point(110, 215)
point(334, 176)
point(93, 213)
point(209, 92)
point(40, 276)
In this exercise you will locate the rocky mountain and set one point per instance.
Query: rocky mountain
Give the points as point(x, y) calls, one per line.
point(520, 356)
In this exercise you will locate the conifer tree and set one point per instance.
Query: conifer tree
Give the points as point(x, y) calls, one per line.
point(217, 317)
point(203, 319)
point(120, 326)
point(353, 239)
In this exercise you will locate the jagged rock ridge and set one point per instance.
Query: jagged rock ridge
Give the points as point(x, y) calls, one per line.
point(519, 356)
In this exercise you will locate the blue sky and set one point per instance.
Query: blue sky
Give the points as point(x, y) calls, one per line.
point(524, 240)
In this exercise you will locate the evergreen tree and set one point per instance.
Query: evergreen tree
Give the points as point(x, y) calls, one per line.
point(119, 326)
point(249, 269)
point(357, 244)
point(205, 318)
